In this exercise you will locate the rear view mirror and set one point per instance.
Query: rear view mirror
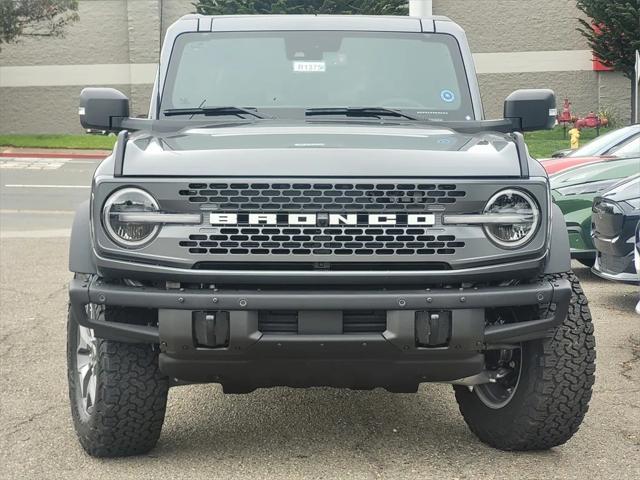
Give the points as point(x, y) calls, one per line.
point(103, 109)
point(534, 109)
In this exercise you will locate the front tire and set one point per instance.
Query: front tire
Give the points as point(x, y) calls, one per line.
point(545, 404)
point(118, 395)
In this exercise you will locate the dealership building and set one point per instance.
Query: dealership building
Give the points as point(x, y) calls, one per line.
point(115, 43)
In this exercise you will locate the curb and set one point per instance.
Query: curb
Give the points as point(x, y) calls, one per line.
point(84, 156)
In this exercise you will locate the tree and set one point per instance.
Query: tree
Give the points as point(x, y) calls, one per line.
point(35, 18)
point(349, 7)
point(613, 33)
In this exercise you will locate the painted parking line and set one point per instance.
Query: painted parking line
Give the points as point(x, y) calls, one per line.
point(15, 163)
point(9, 185)
point(73, 155)
point(75, 161)
point(51, 233)
point(10, 211)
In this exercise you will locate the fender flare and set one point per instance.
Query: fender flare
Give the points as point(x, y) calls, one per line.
point(81, 258)
point(559, 256)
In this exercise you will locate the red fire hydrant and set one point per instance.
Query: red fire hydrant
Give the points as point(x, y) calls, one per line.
point(591, 120)
point(565, 116)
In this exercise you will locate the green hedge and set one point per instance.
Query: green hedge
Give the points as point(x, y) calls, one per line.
point(541, 144)
point(348, 7)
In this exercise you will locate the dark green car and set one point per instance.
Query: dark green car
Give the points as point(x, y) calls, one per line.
point(574, 189)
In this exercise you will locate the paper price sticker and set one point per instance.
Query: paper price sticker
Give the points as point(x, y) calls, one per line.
point(309, 67)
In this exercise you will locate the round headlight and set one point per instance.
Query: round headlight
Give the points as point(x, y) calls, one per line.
point(514, 203)
point(129, 234)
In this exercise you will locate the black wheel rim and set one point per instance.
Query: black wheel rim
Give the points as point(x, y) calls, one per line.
point(507, 367)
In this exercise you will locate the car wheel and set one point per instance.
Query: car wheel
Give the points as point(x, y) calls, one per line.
point(118, 395)
point(543, 392)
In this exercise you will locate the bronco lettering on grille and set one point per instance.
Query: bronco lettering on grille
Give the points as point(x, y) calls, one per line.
point(321, 219)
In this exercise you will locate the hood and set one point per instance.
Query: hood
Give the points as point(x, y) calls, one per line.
point(556, 165)
point(321, 149)
point(627, 189)
point(595, 172)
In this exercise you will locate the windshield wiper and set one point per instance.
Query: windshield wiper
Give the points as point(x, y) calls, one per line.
point(358, 112)
point(212, 111)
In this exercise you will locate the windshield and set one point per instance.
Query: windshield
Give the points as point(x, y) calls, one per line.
point(631, 148)
point(600, 145)
point(285, 73)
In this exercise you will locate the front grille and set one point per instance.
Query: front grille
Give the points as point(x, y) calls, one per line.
point(322, 266)
point(274, 321)
point(353, 321)
point(272, 240)
point(374, 321)
point(318, 197)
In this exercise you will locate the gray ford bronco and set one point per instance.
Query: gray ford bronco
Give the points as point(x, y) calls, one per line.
point(319, 201)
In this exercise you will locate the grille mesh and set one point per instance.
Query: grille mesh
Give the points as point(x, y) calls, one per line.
point(353, 321)
point(319, 197)
point(272, 240)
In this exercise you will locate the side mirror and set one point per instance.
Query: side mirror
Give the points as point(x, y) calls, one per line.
point(103, 109)
point(534, 109)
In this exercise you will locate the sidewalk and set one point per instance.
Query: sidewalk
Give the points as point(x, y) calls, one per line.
point(13, 152)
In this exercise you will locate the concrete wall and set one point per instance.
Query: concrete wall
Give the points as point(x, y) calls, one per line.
point(99, 37)
point(542, 26)
point(102, 36)
point(515, 25)
point(580, 87)
point(174, 9)
point(519, 44)
point(614, 92)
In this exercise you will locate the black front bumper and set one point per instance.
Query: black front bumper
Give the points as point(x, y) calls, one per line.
point(614, 238)
point(392, 359)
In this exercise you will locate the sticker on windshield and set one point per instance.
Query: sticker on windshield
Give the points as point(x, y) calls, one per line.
point(309, 67)
point(447, 96)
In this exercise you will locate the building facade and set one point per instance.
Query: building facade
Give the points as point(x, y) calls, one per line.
point(116, 43)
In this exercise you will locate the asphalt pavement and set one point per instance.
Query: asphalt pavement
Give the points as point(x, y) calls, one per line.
point(276, 433)
point(38, 196)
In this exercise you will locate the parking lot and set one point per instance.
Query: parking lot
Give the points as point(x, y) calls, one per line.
point(277, 433)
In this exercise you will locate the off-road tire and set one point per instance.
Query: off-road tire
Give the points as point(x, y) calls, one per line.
point(554, 388)
point(131, 398)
